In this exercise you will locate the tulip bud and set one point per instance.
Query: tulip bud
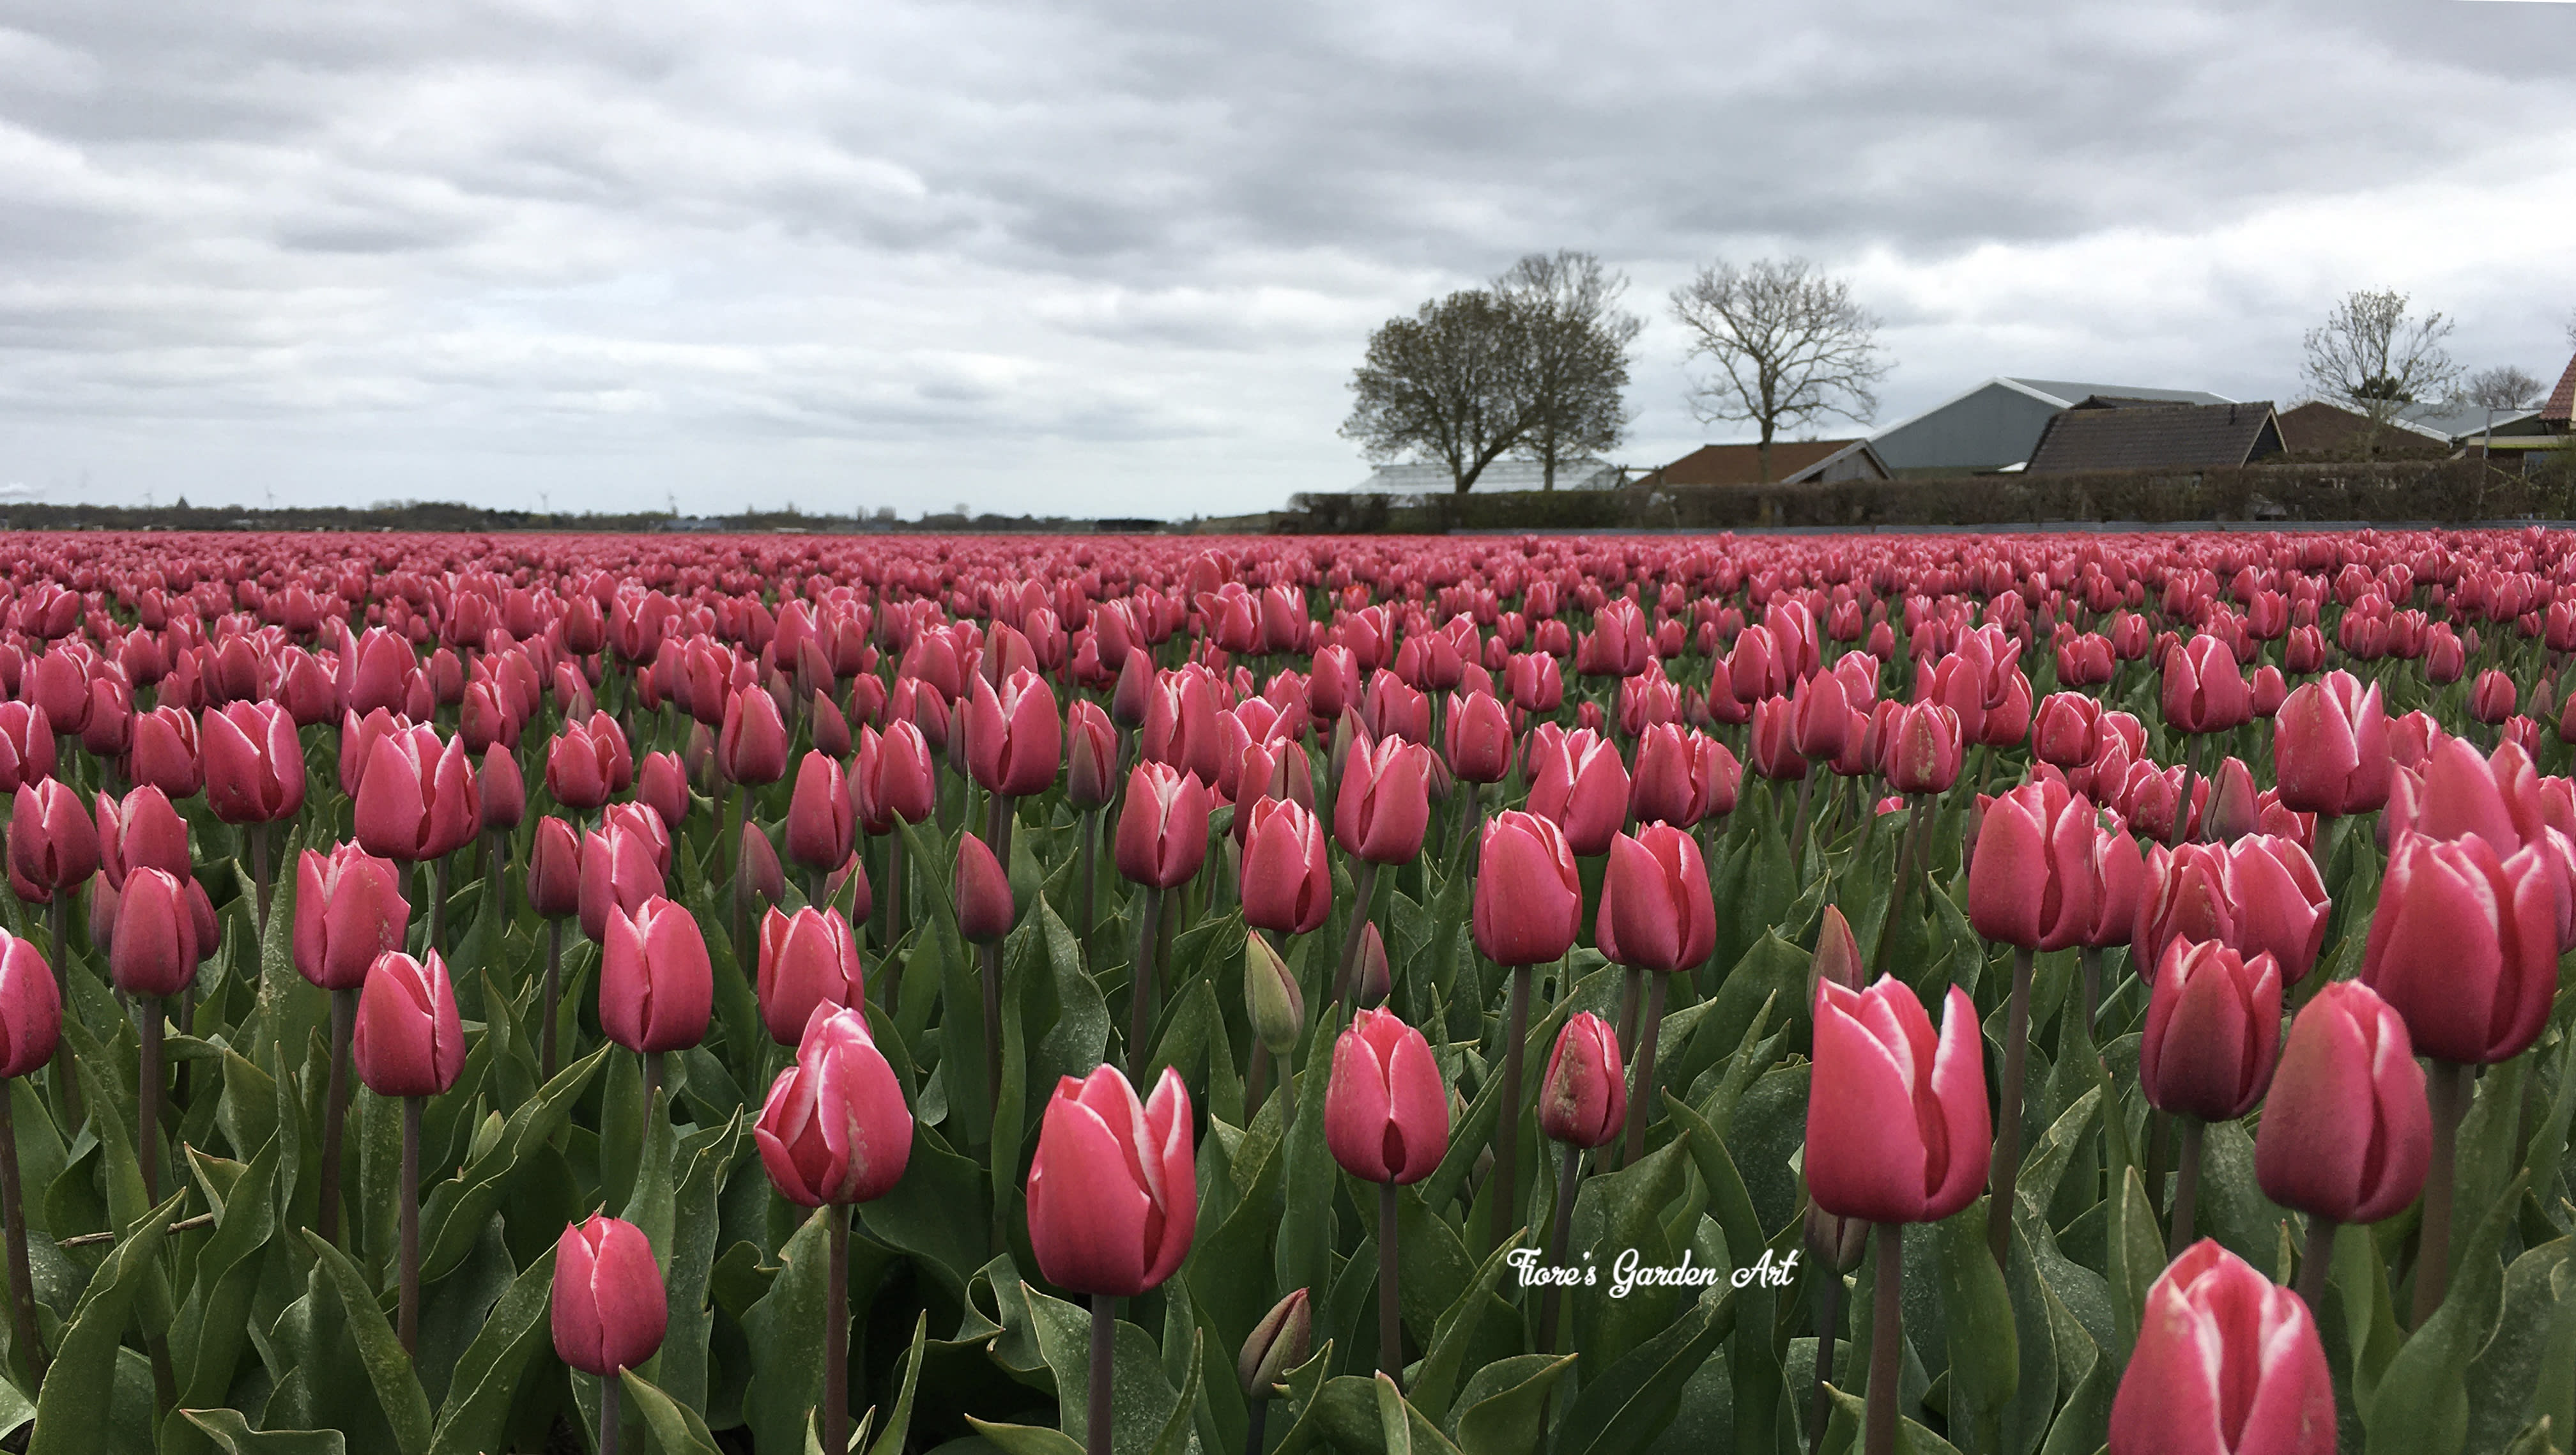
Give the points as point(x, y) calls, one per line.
point(752, 747)
point(2226, 1362)
point(2032, 883)
point(1583, 1098)
point(1282, 1341)
point(1113, 1187)
point(408, 1041)
point(155, 949)
point(2465, 945)
point(349, 910)
point(254, 764)
point(1014, 738)
point(1385, 802)
point(1837, 1242)
point(1371, 976)
point(1287, 880)
point(1386, 1114)
point(1837, 958)
point(664, 784)
point(835, 1129)
point(807, 959)
point(1924, 747)
point(609, 1307)
point(1091, 742)
point(1479, 738)
point(1271, 998)
point(53, 843)
point(2232, 812)
point(2347, 1133)
point(656, 987)
point(983, 892)
point(820, 824)
point(1162, 833)
point(1894, 1136)
point(758, 881)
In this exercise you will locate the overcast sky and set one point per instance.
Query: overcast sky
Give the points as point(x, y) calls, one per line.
point(1121, 258)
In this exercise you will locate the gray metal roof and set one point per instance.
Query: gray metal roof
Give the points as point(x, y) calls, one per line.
point(2067, 392)
point(2454, 421)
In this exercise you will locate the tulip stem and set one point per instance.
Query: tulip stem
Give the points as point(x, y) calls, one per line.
point(259, 877)
point(2090, 957)
point(894, 892)
point(407, 1208)
point(1632, 990)
point(1363, 894)
point(1257, 1429)
point(997, 836)
point(2007, 1163)
point(1643, 1069)
point(2315, 1263)
point(554, 986)
point(1104, 1344)
point(335, 1106)
point(836, 1333)
point(2448, 1088)
point(1090, 900)
point(2186, 1189)
point(1829, 1297)
point(1568, 1175)
point(1140, 998)
point(610, 1414)
point(1798, 825)
point(1886, 1337)
point(1390, 1309)
point(1507, 1130)
point(652, 1085)
point(438, 905)
point(13, 1207)
point(147, 1116)
point(1896, 894)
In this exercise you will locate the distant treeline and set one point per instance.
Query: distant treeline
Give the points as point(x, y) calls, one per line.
point(431, 515)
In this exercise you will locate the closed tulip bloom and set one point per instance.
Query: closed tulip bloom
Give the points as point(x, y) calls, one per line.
point(1014, 738)
point(2203, 690)
point(1583, 788)
point(893, 778)
point(983, 892)
point(2232, 811)
point(835, 1129)
point(752, 747)
point(1113, 1188)
point(155, 949)
point(163, 753)
point(554, 869)
point(2032, 882)
point(142, 832)
point(349, 910)
point(2120, 873)
point(2227, 1363)
point(1924, 747)
point(2493, 696)
point(655, 984)
point(1091, 751)
point(1163, 827)
point(1583, 1098)
point(609, 1308)
point(1386, 1113)
point(664, 784)
point(1775, 752)
point(253, 762)
point(2347, 1133)
point(1716, 778)
point(758, 878)
point(418, 799)
point(618, 874)
point(582, 764)
point(1385, 802)
point(408, 1040)
point(2062, 733)
point(1287, 880)
point(1656, 909)
point(2213, 1031)
point(53, 842)
point(820, 823)
point(2260, 894)
point(1529, 900)
point(2330, 747)
point(27, 745)
point(2465, 945)
point(1897, 1125)
point(31, 1008)
point(807, 959)
point(1479, 737)
point(1820, 716)
point(1663, 789)
point(504, 793)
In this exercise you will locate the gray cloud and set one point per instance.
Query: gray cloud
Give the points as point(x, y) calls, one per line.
point(1121, 256)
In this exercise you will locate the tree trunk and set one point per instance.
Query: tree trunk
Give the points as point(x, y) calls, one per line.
point(1766, 452)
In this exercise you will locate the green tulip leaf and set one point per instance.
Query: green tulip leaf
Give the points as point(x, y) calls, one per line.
point(486, 1377)
point(233, 1435)
point(80, 1384)
point(388, 1367)
point(676, 1428)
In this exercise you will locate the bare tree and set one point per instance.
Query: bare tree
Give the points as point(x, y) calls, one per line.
point(2502, 387)
point(1453, 383)
point(1788, 342)
point(2374, 357)
point(1578, 337)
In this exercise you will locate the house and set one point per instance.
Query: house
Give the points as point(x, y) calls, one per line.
point(2119, 434)
point(1793, 462)
point(2319, 430)
point(1431, 477)
point(1994, 425)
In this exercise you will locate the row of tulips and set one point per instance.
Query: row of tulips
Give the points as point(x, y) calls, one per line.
point(1407, 859)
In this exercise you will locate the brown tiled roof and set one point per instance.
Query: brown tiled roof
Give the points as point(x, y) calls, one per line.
point(2181, 436)
point(1742, 464)
point(2562, 400)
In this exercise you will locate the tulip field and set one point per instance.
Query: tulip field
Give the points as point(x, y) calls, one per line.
point(1537, 996)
